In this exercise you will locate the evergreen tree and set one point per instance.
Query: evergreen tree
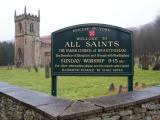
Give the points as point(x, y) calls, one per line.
point(6, 53)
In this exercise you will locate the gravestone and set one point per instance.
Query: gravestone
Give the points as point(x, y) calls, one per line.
point(157, 57)
point(111, 87)
point(28, 68)
point(136, 85)
point(36, 68)
point(122, 89)
point(140, 62)
point(139, 86)
point(8, 66)
point(157, 62)
point(11, 66)
point(156, 66)
point(145, 62)
point(47, 70)
point(153, 60)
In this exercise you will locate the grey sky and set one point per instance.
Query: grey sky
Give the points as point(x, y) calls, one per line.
point(57, 14)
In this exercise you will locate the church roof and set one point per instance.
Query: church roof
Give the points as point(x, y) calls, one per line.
point(46, 39)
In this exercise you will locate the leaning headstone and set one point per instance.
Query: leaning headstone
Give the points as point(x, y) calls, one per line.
point(145, 62)
point(111, 87)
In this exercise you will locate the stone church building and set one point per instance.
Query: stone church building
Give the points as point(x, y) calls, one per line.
point(30, 49)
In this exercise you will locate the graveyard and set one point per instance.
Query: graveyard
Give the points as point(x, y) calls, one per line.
point(83, 60)
point(75, 87)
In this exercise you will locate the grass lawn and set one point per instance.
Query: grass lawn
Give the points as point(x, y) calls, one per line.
point(74, 87)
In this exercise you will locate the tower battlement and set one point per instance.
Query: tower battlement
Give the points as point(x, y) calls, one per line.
point(26, 15)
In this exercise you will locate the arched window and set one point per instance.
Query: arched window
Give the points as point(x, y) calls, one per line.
point(20, 27)
point(25, 41)
point(31, 27)
point(19, 54)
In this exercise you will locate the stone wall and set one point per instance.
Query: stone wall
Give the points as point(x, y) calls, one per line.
point(21, 104)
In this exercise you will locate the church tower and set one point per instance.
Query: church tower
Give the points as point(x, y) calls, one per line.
point(27, 39)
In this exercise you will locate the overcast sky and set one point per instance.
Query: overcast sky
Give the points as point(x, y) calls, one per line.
point(57, 14)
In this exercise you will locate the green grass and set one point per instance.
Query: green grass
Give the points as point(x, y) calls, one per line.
point(74, 87)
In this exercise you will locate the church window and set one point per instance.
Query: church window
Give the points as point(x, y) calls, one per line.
point(25, 41)
point(19, 54)
point(31, 27)
point(20, 27)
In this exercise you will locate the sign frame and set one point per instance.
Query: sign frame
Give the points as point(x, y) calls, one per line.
point(54, 76)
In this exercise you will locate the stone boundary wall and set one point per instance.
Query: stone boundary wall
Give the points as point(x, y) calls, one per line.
point(20, 104)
